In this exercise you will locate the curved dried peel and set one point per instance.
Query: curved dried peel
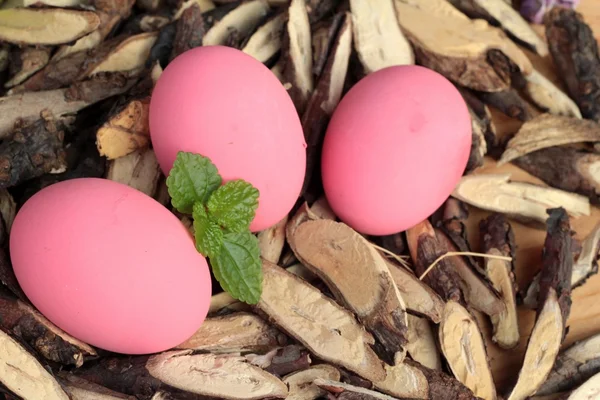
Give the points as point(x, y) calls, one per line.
point(364, 283)
point(50, 26)
point(495, 192)
point(325, 328)
point(464, 349)
point(223, 376)
point(542, 349)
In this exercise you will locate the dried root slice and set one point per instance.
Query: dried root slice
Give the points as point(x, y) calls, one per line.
point(272, 240)
point(325, 98)
point(34, 150)
point(555, 304)
point(547, 131)
point(478, 291)
point(23, 375)
point(364, 285)
point(46, 338)
point(130, 55)
point(482, 122)
point(326, 329)
point(139, 170)
point(500, 12)
point(28, 62)
point(422, 345)
point(80, 389)
point(223, 303)
point(234, 332)
point(573, 366)
point(510, 103)
point(8, 210)
point(189, 29)
point(495, 192)
point(282, 361)
point(542, 349)
point(498, 239)
point(242, 20)
point(297, 55)
point(266, 41)
point(478, 143)
point(588, 390)
point(350, 392)
point(49, 26)
point(587, 264)
point(425, 248)
point(301, 386)
point(547, 96)
point(470, 53)
point(420, 299)
point(126, 131)
point(378, 39)
point(27, 107)
point(223, 376)
point(565, 168)
point(464, 349)
point(575, 53)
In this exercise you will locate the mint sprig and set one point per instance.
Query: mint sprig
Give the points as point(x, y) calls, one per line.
point(222, 216)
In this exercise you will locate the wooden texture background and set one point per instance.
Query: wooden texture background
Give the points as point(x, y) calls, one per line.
point(584, 320)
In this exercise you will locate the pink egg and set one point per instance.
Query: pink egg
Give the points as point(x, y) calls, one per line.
point(221, 103)
point(395, 148)
point(110, 266)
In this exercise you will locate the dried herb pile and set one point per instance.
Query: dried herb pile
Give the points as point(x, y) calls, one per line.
point(342, 316)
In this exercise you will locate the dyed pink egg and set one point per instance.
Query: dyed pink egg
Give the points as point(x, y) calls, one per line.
point(110, 266)
point(222, 103)
point(395, 148)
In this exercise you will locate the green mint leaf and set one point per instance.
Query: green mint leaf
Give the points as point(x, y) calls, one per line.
point(234, 205)
point(238, 268)
point(193, 178)
point(208, 233)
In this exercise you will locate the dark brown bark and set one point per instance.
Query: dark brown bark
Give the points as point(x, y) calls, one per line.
point(189, 32)
point(496, 233)
point(484, 121)
point(557, 261)
point(8, 278)
point(289, 359)
point(320, 9)
point(565, 168)
point(443, 386)
point(395, 243)
point(509, 102)
point(575, 53)
point(34, 150)
point(101, 86)
point(323, 38)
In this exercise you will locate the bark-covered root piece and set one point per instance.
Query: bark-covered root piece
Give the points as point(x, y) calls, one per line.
point(573, 366)
point(547, 131)
point(185, 375)
point(50, 26)
point(325, 99)
point(297, 55)
point(510, 103)
point(519, 200)
point(126, 130)
point(575, 53)
point(23, 375)
point(378, 39)
point(34, 150)
point(272, 240)
point(422, 344)
point(498, 240)
point(463, 347)
point(42, 335)
point(420, 299)
point(189, 30)
point(80, 389)
point(543, 93)
point(501, 12)
point(239, 21)
point(565, 168)
point(129, 55)
point(329, 331)
point(365, 285)
point(470, 53)
point(235, 332)
point(139, 170)
point(26, 62)
point(554, 307)
point(300, 383)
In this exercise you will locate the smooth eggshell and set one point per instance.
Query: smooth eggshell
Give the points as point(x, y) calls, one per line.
point(221, 103)
point(110, 266)
point(395, 148)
